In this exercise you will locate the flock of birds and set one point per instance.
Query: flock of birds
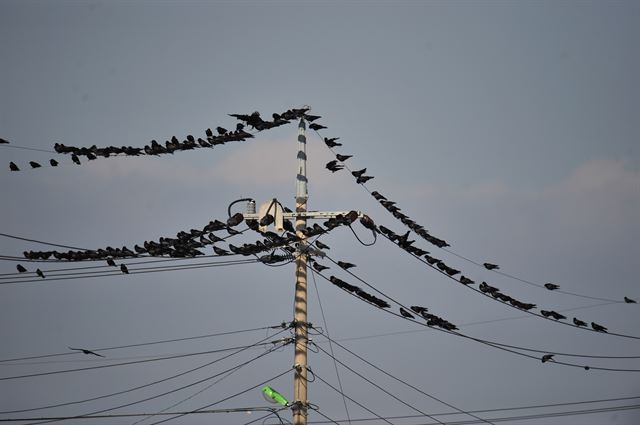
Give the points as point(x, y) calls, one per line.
point(220, 137)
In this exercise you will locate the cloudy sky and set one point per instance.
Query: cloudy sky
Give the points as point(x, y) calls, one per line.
point(510, 129)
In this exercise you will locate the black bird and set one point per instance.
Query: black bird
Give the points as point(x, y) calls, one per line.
point(363, 179)
point(419, 309)
point(221, 130)
point(3, 140)
point(53, 162)
point(579, 322)
point(321, 245)
point(629, 300)
point(316, 127)
point(551, 286)
point(124, 269)
point(20, 268)
point(319, 267)
point(85, 351)
point(332, 142)
point(465, 280)
point(343, 158)
point(345, 265)
point(333, 166)
point(490, 266)
point(209, 132)
point(288, 226)
point(13, 167)
point(553, 314)
point(111, 262)
point(359, 173)
point(39, 273)
point(406, 314)
point(598, 328)
point(267, 220)
point(220, 251)
point(75, 158)
point(311, 118)
point(34, 164)
point(547, 357)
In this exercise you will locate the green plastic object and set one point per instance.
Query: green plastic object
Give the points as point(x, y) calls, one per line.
point(273, 396)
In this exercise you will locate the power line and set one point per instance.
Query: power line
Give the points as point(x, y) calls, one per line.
point(4, 145)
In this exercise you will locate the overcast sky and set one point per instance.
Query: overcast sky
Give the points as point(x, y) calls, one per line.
point(510, 129)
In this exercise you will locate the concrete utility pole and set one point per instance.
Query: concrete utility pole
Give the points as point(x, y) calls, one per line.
point(300, 403)
point(300, 304)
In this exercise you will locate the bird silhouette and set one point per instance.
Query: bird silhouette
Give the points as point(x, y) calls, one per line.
point(629, 300)
point(85, 351)
point(490, 266)
point(39, 273)
point(221, 130)
point(406, 314)
point(321, 245)
point(34, 164)
point(332, 142)
point(345, 265)
point(220, 251)
point(235, 219)
point(75, 159)
point(419, 309)
point(319, 267)
point(551, 286)
point(316, 127)
point(124, 269)
point(547, 357)
point(111, 262)
point(3, 140)
point(20, 268)
point(53, 162)
point(333, 166)
point(359, 173)
point(267, 220)
point(598, 328)
point(465, 280)
point(343, 158)
point(363, 179)
point(13, 167)
point(311, 118)
point(579, 322)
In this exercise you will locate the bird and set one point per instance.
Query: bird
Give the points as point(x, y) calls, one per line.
point(333, 166)
point(363, 179)
point(332, 142)
point(39, 273)
point(319, 267)
point(419, 309)
point(124, 269)
point(20, 268)
point(316, 127)
point(465, 280)
point(345, 265)
point(547, 357)
point(579, 322)
point(3, 140)
point(598, 328)
point(111, 262)
point(490, 266)
point(235, 219)
point(321, 245)
point(34, 164)
point(406, 314)
point(85, 351)
point(208, 132)
point(343, 158)
point(311, 118)
point(221, 130)
point(75, 158)
point(220, 251)
point(551, 286)
point(359, 173)
point(53, 162)
point(13, 167)
point(267, 220)
point(629, 300)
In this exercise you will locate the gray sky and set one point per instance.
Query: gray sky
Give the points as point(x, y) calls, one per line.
point(510, 129)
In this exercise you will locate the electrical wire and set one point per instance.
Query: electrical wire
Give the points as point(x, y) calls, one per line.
point(335, 364)
point(41, 242)
point(5, 145)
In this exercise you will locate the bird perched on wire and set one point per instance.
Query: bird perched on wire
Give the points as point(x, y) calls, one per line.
point(465, 280)
point(333, 166)
point(312, 118)
point(111, 262)
point(598, 328)
point(319, 267)
point(53, 162)
point(629, 300)
point(406, 314)
point(321, 245)
point(359, 173)
point(343, 158)
point(579, 322)
point(419, 309)
point(13, 167)
point(547, 357)
point(85, 351)
point(20, 268)
point(124, 269)
point(551, 286)
point(220, 251)
point(316, 127)
point(3, 141)
point(490, 266)
point(40, 273)
point(75, 159)
point(34, 164)
point(553, 314)
point(363, 179)
point(332, 142)
point(346, 265)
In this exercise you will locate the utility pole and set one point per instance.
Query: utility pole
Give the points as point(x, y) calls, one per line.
point(300, 304)
point(300, 403)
